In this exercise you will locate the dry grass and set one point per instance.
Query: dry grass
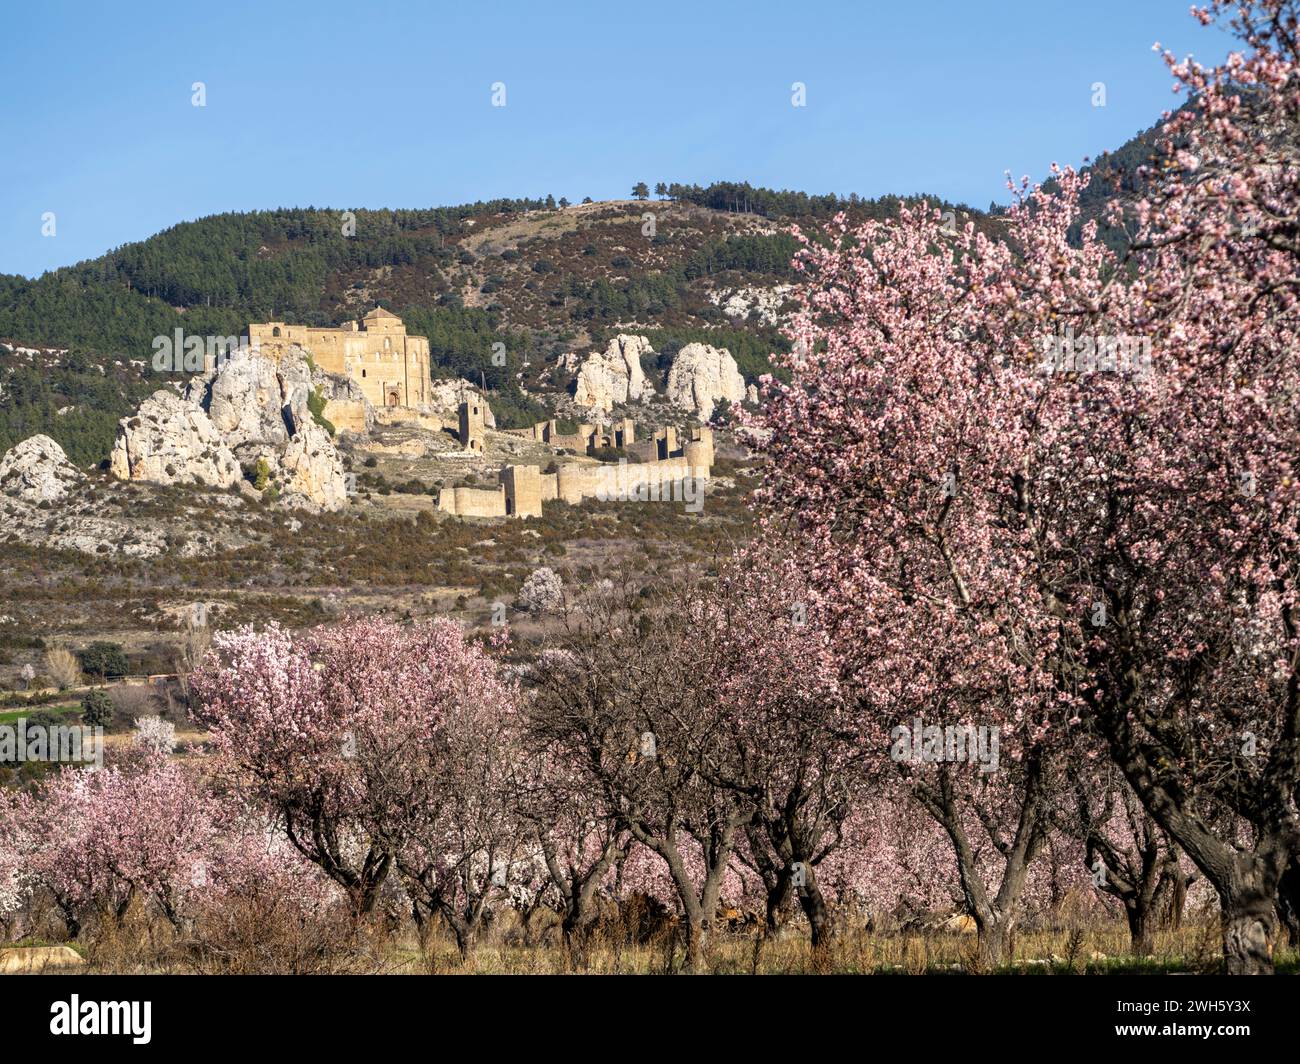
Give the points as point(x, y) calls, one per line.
point(259, 935)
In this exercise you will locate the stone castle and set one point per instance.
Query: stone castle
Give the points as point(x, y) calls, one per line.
point(392, 371)
point(665, 459)
point(391, 368)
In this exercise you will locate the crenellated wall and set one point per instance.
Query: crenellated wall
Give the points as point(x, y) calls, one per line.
point(661, 464)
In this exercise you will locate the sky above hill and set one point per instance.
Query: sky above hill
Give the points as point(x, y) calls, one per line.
point(391, 104)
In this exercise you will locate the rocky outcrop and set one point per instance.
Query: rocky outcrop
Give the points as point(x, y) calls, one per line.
point(760, 305)
point(250, 409)
point(445, 399)
point(701, 375)
point(170, 440)
point(614, 375)
point(346, 405)
point(247, 398)
point(311, 471)
point(36, 471)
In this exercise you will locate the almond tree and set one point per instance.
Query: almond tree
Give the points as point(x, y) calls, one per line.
point(135, 830)
point(627, 707)
point(781, 735)
point(894, 465)
point(358, 738)
point(1056, 488)
point(448, 805)
point(579, 837)
point(1127, 855)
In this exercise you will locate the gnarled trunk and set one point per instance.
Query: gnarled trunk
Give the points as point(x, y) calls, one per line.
point(814, 909)
point(1288, 902)
point(1141, 921)
point(995, 939)
point(1249, 928)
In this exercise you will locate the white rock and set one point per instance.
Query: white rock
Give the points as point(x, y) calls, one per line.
point(248, 409)
point(172, 441)
point(701, 375)
point(312, 472)
point(445, 398)
point(758, 304)
point(36, 470)
point(614, 375)
point(245, 399)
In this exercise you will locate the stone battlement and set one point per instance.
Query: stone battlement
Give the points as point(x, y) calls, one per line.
point(660, 465)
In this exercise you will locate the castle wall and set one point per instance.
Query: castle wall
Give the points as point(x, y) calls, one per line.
point(346, 415)
point(405, 416)
point(568, 483)
point(646, 450)
point(473, 502)
point(668, 459)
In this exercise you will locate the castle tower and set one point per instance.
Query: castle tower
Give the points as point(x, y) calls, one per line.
point(523, 484)
point(472, 430)
point(699, 451)
point(624, 432)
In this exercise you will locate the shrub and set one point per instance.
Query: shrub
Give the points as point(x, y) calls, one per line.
point(316, 406)
point(63, 667)
point(104, 660)
point(97, 709)
point(542, 591)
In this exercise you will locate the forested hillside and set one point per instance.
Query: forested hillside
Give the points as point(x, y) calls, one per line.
point(541, 277)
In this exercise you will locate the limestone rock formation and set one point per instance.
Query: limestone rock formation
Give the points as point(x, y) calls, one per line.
point(246, 398)
point(701, 375)
point(36, 471)
point(751, 394)
point(762, 305)
point(346, 405)
point(170, 440)
point(445, 398)
point(250, 409)
point(614, 375)
point(312, 472)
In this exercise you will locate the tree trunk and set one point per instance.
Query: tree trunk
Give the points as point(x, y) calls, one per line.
point(1288, 902)
point(1140, 929)
point(995, 936)
point(697, 934)
point(776, 899)
point(1249, 930)
point(466, 932)
point(814, 908)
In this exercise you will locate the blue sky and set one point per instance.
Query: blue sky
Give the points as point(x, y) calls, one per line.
point(389, 104)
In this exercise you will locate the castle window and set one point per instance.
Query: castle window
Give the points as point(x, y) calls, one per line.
point(275, 331)
point(363, 373)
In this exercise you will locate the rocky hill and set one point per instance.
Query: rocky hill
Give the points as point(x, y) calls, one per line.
point(512, 294)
